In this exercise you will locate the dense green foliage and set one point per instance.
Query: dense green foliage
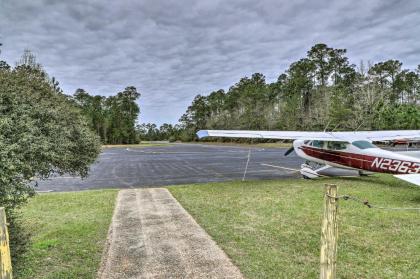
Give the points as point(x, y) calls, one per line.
point(322, 90)
point(42, 133)
point(150, 132)
point(112, 118)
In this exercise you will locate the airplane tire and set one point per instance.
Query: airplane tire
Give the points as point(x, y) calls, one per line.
point(361, 173)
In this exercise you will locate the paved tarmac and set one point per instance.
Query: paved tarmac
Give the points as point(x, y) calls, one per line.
point(177, 164)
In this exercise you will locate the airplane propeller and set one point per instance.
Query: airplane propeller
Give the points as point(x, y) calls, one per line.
point(290, 150)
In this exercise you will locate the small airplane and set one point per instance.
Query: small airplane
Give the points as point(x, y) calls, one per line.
point(342, 150)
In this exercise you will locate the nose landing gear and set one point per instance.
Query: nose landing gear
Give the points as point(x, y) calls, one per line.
point(308, 173)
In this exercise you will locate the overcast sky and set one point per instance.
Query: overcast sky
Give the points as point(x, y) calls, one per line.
point(174, 50)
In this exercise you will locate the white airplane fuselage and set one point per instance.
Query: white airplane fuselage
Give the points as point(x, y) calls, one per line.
point(359, 155)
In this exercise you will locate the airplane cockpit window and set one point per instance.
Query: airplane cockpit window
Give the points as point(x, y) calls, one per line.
point(318, 143)
point(363, 144)
point(336, 145)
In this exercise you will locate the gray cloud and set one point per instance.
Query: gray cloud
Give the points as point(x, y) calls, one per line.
point(173, 50)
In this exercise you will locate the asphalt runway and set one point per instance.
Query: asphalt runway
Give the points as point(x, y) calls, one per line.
point(177, 164)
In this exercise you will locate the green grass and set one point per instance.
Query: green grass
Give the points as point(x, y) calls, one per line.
point(271, 229)
point(68, 234)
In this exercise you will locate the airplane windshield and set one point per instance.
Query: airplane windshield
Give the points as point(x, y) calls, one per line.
point(363, 144)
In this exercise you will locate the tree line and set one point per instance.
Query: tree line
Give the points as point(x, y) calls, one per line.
point(113, 118)
point(320, 91)
point(151, 132)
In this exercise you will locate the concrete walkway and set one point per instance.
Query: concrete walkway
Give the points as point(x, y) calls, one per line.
point(152, 236)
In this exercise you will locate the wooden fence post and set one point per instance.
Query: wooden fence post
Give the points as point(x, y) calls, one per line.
point(329, 233)
point(5, 261)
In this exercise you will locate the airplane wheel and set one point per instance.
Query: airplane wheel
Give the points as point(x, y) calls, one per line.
point(305, 177)
point(362, 173)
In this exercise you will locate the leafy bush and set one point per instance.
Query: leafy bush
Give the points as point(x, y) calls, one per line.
point(42, 133)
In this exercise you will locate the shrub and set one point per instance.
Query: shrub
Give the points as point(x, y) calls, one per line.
point(41, 133)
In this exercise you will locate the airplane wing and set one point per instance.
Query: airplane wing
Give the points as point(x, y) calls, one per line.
point(412, 178)
point(327, 136)
point(286, 135)
point(380, 135)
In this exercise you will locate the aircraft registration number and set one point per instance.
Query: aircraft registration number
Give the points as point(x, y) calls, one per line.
point(396, 165)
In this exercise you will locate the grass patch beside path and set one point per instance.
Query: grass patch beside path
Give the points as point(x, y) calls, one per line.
point(271, 229)
point(68, 231)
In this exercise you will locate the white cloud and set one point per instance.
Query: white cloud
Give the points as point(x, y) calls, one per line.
point(173, 50)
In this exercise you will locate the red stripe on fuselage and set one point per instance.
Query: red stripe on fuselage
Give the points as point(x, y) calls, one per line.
point(362, 162)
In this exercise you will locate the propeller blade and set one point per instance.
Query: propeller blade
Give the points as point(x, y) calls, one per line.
point(290, 150)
